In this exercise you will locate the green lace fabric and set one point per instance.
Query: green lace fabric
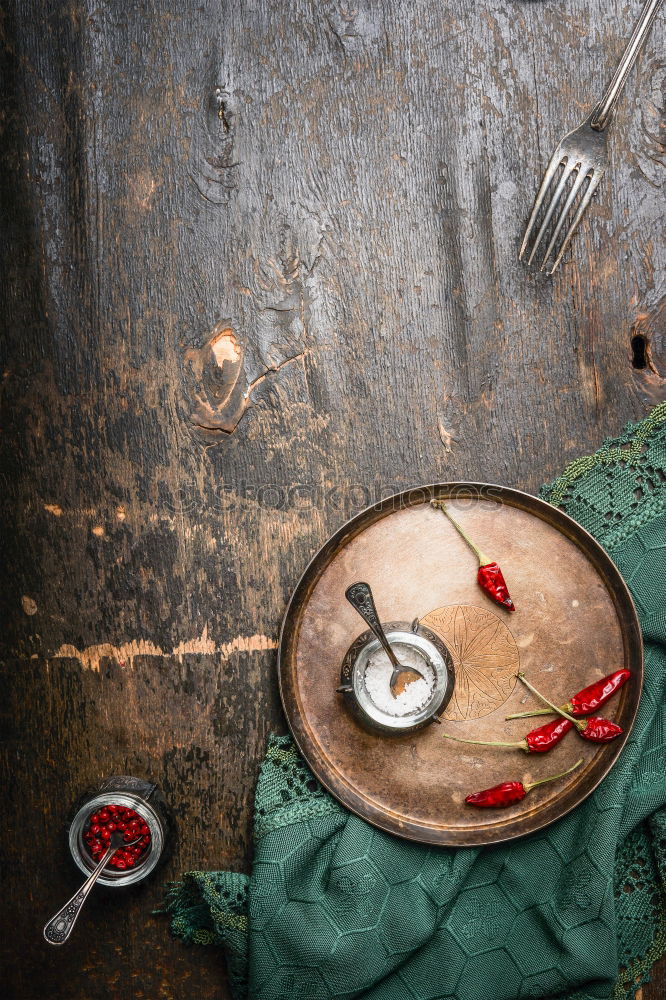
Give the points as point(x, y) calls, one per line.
point(336, 908)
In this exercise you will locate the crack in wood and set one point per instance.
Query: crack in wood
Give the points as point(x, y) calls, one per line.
point(124, 653)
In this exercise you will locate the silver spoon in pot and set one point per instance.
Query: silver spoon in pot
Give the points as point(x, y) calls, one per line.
point(61, 925)
point(360, 597)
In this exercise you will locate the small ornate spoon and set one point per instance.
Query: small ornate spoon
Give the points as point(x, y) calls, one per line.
point(61, 925)
point(360, 597)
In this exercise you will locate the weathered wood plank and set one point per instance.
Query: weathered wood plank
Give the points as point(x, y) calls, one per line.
point(262, 268)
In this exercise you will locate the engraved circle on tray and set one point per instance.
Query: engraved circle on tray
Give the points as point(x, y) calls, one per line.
point(485, 659)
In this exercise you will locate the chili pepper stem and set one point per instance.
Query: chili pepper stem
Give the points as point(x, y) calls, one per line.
point(528, 715)
point(577, 723)
point(493, 743)
point(553, 777)
point(440, 505)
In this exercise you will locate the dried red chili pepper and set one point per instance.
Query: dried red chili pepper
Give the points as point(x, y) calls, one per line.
point(511, 791)
point(594, 729)
point(546, 737)
point(538, 741)
point(498, 795)
point(491, 580)
point(589, 700)
point(595, 695)
point(489, 576)
point(599, 730)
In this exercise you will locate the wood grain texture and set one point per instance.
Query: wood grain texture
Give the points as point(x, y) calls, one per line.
point(260, 268)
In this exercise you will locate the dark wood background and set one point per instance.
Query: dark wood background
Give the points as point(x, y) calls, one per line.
point(261, 269)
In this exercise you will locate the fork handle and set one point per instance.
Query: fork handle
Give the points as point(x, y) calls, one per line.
point(602, 114)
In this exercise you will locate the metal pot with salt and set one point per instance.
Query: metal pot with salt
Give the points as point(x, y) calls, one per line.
point(381, 697)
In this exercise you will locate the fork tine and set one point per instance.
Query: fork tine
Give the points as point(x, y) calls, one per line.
point(575, 188)
point(555, 161)
point(584, 202)
point(569, 168)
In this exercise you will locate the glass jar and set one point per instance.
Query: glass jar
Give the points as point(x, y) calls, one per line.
point(147, 801)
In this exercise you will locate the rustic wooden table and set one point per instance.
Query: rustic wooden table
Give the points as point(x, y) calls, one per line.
point(262, 269)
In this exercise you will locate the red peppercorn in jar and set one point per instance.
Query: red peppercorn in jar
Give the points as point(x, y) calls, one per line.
point(136, 835)
point(136, 808)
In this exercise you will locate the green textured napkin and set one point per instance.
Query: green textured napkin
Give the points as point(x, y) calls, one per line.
point(336, 908)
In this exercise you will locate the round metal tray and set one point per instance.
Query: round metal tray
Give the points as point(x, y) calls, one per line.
point(574, 623)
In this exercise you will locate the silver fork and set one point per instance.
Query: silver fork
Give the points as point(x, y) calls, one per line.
point(581, 155)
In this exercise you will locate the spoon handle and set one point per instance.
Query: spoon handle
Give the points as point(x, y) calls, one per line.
point(360, 597)
point(61, 925)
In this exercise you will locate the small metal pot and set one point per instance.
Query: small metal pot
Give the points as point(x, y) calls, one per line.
point(429, 647)
point(132, 793)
